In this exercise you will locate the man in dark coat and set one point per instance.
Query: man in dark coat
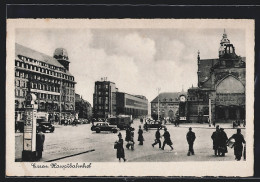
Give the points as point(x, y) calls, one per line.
point(167, 139)
point(40, 138)
point(190, 139)
point(215, 138)
point(140, 136)
point(157, 138)
point(238, 145)
point(222, 142)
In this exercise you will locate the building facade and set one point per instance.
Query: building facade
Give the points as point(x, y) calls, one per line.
point(108, 101)
point(171, 105)
point(48, 78)
point(220, 94)
point(104, 99)
point(135, 105)
point(83, 107)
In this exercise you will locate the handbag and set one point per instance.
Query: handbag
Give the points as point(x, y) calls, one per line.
point(115, 145)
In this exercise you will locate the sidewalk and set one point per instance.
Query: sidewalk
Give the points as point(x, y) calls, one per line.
point(206, 125)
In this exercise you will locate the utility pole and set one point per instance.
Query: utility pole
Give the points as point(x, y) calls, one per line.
point(158, 89)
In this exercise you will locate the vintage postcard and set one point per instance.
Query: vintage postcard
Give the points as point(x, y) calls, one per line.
point(130, 97)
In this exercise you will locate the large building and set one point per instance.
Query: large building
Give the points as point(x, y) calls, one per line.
point(47, 77)
point(83, 107)
point(220, 94)
point(135, 105)
point(104, 99)
point(171, 105)
point(108, 101)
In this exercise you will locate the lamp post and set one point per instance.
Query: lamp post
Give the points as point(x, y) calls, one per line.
point(158, 89)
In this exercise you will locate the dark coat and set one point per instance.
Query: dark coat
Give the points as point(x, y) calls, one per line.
point(238, 145)
point(40, 138)
point(190, 137)
point(223, 141)
point(157, 135)
point(120, 152)
point(140, 135)
point(167, 138)
point(128, 134)
point(215, 138)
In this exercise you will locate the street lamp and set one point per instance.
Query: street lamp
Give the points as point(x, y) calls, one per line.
point(158, 89)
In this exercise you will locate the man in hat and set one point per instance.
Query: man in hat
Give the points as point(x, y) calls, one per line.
point(190, 139)
point(167, 139)
point(157, 138)
point(215, 138)
point(238, 145)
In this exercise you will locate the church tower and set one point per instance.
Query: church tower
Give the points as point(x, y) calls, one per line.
point(224, 41)
point(61, 55)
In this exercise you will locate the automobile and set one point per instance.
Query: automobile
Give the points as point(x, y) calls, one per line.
point(155, 124)
point(85, 121)
point(103, 126)
point(45, 126)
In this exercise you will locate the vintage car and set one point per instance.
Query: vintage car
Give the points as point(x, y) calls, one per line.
point(155, 124)
point(103, 126)
point(45, 126)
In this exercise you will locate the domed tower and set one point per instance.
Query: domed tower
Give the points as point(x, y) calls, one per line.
point(61, 55)
point(224, 41)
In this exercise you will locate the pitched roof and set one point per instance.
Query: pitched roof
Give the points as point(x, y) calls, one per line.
point(33, 54)
point(168, 96)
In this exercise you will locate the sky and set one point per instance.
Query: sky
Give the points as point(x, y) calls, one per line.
point(138, 61)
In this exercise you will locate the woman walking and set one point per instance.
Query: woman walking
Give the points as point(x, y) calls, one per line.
point(120, 152)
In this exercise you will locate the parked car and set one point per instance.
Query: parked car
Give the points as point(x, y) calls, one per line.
point(103, 126)
point(155, 124)
point(45, 126)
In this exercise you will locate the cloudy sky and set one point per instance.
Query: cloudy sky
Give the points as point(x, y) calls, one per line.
point(137, 60)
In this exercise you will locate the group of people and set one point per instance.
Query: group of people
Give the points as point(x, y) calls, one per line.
point(130, 141)
point(219, 137)
point(220, 142)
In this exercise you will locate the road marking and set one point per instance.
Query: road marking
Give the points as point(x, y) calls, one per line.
point(71, 155)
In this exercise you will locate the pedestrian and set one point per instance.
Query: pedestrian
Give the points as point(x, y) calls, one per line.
point(157, 138)
point(131, 142)
point(238, 145)
point(215, 138)
point(128, 136)
point(140, 136)
point(146, 126)
point(190, 139)
point(119, 146)
point(40, 138)
point(222, 142)
point(167, 139)
point(238, 122)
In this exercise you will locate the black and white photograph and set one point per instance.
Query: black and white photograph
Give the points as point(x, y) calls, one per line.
point(130, 97)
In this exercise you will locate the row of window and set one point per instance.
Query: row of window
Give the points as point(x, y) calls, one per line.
point(40, 63)
point(43, 70)
point(164, 105)
point(21, 83)
point(45, 87)
point(101, 86)
point(23, 93)
point(101, 100)
point(42, 78)
point(101, 93)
